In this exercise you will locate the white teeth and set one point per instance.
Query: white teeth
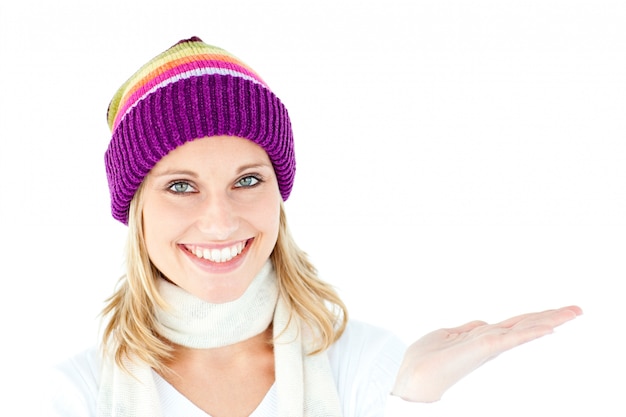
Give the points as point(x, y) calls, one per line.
point(217, 255)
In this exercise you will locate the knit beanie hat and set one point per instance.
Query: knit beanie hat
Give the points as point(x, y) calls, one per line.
point(190, 91)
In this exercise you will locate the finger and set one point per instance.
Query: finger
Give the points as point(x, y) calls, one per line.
point(532, 326)
point(516, 337)
point(510, 322)
point(499, 339)
point(553, 318)
point(573, 308)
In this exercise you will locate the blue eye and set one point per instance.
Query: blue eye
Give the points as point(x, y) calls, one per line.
point(181, 187)
point(249, 181)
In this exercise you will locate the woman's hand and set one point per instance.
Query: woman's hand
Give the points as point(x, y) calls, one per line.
point(438, 360)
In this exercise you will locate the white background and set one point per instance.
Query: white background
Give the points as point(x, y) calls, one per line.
point(456, 160)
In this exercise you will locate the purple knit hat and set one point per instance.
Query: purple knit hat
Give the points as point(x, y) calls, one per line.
point(190, 91)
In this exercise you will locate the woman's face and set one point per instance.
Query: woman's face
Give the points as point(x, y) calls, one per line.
point(211, 215)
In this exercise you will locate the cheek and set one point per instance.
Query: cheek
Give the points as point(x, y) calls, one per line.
point(273, 226)
point(152, 233)
point(159, 226)
point(267, 218)
point(273, 216)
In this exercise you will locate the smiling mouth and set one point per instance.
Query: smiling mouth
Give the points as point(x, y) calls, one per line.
point(221, 255)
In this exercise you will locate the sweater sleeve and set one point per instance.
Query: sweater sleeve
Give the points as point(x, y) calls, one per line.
point(70, 389)
point(365, 361)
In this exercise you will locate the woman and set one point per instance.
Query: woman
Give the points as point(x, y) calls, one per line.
point(220, 313)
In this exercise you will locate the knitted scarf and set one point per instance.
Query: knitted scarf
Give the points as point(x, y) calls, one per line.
point(304, 383)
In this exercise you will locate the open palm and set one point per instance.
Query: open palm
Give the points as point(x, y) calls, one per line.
point(441, 358)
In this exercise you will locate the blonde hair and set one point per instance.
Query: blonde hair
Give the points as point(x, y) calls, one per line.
point(130, 329)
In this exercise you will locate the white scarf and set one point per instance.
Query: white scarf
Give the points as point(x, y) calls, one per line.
point(305, 385)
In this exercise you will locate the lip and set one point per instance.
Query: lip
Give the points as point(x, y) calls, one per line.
point(218, 267)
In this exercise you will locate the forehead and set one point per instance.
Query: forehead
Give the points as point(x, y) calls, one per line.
point(217, 148)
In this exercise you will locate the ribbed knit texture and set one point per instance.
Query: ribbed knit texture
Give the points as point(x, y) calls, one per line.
point(190, 91)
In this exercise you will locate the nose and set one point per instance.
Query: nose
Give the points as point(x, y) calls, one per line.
point(217, 217)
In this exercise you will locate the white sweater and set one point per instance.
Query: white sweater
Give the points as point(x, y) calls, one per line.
point(364, 363)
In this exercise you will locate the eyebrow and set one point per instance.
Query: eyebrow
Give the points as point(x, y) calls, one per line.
point(194, 174)
point(252, 166)
point(169, 172)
